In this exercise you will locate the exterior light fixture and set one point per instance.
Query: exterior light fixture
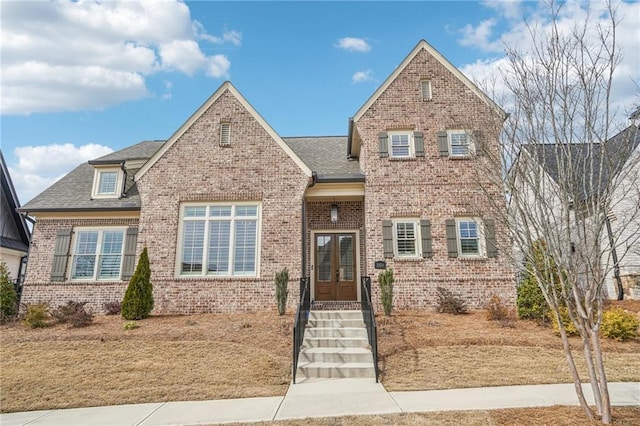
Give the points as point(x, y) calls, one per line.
point(334, 213)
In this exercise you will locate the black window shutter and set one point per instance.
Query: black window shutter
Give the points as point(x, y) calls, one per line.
point(418, 142)
point(452, 240)
point(61, 255)
point(387, 238)
point(478, 142)
point(383, 145)
point(425, 234)
point(129, 259)
point(490, 237)
point(443, 144)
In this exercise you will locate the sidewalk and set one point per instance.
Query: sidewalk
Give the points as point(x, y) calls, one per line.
point(321, 398)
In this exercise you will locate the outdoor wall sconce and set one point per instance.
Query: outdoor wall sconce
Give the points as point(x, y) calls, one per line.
point(334, 213)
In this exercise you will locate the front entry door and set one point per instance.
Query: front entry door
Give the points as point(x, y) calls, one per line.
point(335, 267)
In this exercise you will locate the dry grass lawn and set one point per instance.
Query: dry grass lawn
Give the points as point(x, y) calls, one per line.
point(200, 357)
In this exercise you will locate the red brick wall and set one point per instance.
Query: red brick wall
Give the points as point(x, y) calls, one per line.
point(430, 187)
point(38, 286)
point(197, 168)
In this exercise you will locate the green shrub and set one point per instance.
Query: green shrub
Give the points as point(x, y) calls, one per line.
point(138, 299)
point(282, 280)
point(385, 280)
point(448, 303)
point(36, 316)
point(569, 327)
point(8, 296)
point(619, 324)
point(73, 314)
point(131, 325)
point(530, 301)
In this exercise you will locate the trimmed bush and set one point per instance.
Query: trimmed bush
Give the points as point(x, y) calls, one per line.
point(619, 324)
point(385, 279)
point(448, 303)
point(36, 316)
point(138, 299)
point(8, 296)
point(282, 281)
point(73, 314)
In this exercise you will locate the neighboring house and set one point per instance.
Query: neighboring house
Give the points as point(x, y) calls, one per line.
point(587, 174)
point(14, 232)
point(225, 203)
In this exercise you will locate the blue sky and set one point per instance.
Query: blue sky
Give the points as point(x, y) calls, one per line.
point(80, 79)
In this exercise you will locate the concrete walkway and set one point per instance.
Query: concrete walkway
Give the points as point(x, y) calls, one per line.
point(321, 398)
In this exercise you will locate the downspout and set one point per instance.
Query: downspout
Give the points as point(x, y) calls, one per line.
point(614, 255)
point(123, 193)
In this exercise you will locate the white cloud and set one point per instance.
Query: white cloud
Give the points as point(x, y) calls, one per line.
point(353, 44)
point(487, 73)
point(480, 36)
point(68, 55)
point(362, 76)
point(40, 166)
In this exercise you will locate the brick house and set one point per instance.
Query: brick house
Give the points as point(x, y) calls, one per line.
point(225, 203)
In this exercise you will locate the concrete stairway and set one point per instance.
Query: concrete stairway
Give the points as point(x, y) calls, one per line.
point(335, 346)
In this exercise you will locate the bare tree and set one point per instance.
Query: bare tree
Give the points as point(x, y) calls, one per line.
point(567, 171)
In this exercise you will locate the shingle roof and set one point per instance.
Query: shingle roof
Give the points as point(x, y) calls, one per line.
point(587, 161)
point(11, 197)
point(327, 157)
point(73, 191)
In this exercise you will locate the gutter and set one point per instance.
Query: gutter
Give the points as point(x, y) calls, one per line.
point(348, 179)
point(93, 209)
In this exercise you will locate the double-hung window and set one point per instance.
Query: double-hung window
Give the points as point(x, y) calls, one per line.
point(400, 144)
point(107, 182)
point(97, 254)
point(468, 237)
point(458, 143)
point(220, 239)
point(406, 238)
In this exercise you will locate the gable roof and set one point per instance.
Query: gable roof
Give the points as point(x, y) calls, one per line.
point(325, 157)
point(587, 160)
point(226, 86)
point(423, 45)
point(19, 221)
point(73, 191)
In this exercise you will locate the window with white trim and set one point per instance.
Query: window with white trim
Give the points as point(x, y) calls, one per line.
point(401, 144)
point(406, 236)
point(107, 182)
point(458, 143)
point(97, 254)
point(468, 232)
point(425, 86)
point(219, 239)
point(225, 134)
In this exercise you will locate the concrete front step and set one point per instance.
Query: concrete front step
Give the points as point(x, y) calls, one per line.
point(334, 323)
point(360, 332)
point(336, 355)
point(335, 315)
point(335, 345)
point(331, 370)
point(335, 342)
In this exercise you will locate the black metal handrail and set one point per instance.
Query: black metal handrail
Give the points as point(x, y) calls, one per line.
point(300, 321)
point(370, 320)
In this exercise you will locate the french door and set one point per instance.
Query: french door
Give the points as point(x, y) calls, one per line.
point(335, 267)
